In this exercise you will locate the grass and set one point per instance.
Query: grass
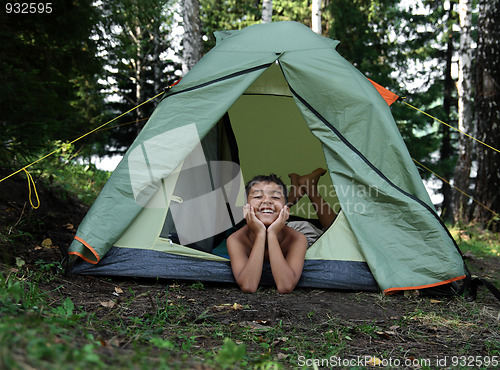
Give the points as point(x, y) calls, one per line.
point(34, 333)
point(64, 173)
point(475, 240)
point(40, 331)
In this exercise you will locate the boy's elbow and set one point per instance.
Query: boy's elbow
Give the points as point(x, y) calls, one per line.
point(285, 289)
point(249, 288)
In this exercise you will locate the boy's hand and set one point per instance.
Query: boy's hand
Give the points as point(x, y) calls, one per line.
point(253, 222)
point(279, 223)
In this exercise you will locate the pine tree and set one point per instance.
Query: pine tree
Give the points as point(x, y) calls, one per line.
point(136, 46)
point(487, 104)
point(461, 175)
point(192, 41)
point(48, 79)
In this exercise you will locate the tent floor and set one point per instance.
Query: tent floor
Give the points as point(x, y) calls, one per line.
point(344, 275)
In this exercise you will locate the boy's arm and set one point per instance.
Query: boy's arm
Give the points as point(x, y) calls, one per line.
point(286, 271)
point(247, 269)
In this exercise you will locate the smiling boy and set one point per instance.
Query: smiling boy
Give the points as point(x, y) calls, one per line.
point(266, 237)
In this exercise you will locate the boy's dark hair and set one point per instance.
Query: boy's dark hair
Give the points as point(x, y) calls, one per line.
point(267, 178)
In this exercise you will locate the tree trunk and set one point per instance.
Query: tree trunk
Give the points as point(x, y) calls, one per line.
point(446, 150)
point(487, 104)
point(465, 118)
point(267, 11)
point(192, 43)
point(139, 113)
point(316, 16)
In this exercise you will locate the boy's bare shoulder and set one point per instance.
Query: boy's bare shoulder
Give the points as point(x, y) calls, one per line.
point(293, 235)
point(240, 235)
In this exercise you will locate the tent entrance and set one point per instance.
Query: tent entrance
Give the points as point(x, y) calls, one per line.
point(262, 132)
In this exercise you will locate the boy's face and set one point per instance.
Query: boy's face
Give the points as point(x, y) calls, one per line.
point(267, 200)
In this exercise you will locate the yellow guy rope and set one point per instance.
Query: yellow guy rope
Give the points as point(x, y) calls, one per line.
point(30, 183)
point(115, 126)
point(454, 128)
point(30, 179)
point(464, 193)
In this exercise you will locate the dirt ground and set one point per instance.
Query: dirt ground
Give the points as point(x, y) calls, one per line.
point(403, 325)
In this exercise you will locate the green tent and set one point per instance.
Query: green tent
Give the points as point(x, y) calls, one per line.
point(269, 98)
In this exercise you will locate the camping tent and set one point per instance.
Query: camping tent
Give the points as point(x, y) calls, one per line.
point(269, 98)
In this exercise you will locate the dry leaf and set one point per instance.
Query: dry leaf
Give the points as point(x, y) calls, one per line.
point(278, 340)
point(104, 343)
point(435, 301)
point(228, 306)
point(254, 325)
point(118, 290)
point(108, 304)
point(374, 361)
point(222, 307)
point(394, 327)
point(385, 334)
point(47, 243)
point(69, 226)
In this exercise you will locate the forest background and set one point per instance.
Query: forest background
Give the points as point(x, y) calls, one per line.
point(66, 72)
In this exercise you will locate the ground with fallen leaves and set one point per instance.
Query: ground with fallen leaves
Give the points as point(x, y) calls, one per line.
point(300, 328)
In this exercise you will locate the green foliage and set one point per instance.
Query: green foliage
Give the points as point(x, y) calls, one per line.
point(482, 243)
point(198, 286)
point(49, 72)
point(136, 38)
point(224, 15)
point(64, 174)
point(230, 355)
point(11, 290)
point(363, 28)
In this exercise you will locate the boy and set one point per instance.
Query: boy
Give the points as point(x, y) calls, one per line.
point(266, 237)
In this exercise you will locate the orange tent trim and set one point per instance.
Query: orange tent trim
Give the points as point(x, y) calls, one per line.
point(388, 96)
point(394, 290)
point(90, 248)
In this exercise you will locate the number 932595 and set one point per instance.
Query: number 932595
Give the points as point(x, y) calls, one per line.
point(28, 8)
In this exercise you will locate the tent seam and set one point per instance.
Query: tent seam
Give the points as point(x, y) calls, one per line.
point(223, 78)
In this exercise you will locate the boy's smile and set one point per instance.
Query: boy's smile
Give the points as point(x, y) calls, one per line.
point(267, 199)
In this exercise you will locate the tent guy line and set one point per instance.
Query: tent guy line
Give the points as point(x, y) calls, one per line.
point(81, 137)
point(460, 190)
point(452, 127)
